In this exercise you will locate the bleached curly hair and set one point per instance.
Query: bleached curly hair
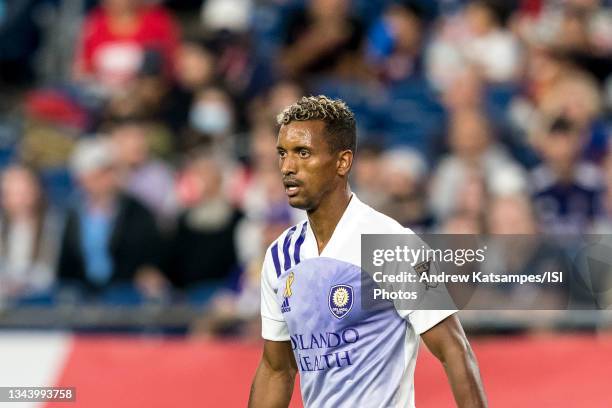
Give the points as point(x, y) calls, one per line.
point(338, 118)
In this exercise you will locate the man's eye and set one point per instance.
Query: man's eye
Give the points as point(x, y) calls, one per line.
point(304, 153)
point(282, 154)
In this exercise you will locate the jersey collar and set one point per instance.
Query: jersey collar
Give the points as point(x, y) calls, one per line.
point(340, 231)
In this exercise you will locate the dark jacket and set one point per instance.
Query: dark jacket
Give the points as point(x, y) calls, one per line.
point(135, 242)
point(200, 256)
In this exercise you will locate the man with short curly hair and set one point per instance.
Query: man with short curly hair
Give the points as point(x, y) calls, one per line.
point(338, 118)
point(312, 320)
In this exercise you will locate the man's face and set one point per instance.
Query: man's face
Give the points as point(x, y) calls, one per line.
point(99, 183)
point(562, 147)
point(308, 168)
point(131, 143)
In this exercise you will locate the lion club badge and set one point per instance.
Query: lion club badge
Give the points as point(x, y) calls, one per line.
point(340, 300)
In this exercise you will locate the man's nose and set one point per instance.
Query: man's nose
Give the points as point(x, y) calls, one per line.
point(288, 165)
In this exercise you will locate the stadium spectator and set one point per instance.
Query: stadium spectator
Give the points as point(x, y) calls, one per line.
point(232, 312)
point(575, 26)
point(555, 87)
point(511, 215)
point(109, 237)
point(117, 36)
point(472, 151)
point(28, 235)
point(264, 108)
point(212, 115)
point(476, 38)
point(465, 92)
point(567, 190)
point(149, 99)
point(257, 190)
point(603, 227)
point(195, 69)
point(603, 223)
point(366, 175)
point(261, 187)
point(542, 71)
point(148, 179)
point(514, 217)
point(194, 65)
point(323, 38)
point(403, 175)
point(461, 223)
point(204, 249)
point(577, 97)
point(395, 42)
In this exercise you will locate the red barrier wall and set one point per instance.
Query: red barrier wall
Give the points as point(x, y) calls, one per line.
point(568, 371)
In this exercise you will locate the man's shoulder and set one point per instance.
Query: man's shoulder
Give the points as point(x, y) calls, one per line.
point(130, 204)
point(371, 221)
point(288, 234)
point(285, 251)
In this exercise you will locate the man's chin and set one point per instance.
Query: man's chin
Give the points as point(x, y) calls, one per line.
point(297, 202)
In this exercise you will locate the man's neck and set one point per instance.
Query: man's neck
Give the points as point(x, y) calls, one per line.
point(565, 172)
point(325, 217)
point(102, 202)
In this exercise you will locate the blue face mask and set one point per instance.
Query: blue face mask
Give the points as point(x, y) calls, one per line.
point(210, 118)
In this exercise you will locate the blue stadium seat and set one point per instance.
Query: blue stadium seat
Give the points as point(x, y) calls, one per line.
point(365, 101)
point(413, 115)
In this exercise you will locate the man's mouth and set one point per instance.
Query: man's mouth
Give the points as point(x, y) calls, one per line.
point(291, 188)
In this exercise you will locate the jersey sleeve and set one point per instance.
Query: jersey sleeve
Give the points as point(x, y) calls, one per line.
point(273, 325)
point(424, 318)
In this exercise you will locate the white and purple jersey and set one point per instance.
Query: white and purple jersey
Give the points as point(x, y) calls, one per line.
point(347, 356)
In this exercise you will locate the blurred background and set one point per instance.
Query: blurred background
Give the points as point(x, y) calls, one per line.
point(139, 184)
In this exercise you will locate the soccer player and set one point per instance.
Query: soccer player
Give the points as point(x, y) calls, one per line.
point(312, 320)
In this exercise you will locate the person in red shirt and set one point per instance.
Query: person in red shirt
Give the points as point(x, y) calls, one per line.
point(119, 36)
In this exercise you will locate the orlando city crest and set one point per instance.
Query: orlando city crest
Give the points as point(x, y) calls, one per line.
point(340, 300)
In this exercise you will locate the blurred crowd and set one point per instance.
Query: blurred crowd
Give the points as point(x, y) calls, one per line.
point(137, 138)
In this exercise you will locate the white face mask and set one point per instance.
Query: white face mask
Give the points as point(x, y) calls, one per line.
point(210, 118)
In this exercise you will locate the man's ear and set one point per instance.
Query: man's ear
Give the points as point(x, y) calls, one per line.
point(345, 162)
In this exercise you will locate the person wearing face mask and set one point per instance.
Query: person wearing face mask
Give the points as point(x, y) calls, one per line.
point(195, 69)
point(212, 117)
